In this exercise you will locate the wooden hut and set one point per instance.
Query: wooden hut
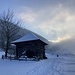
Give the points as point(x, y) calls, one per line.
point(30, 45)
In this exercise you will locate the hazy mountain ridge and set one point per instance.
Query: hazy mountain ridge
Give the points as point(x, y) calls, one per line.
point(66, 47)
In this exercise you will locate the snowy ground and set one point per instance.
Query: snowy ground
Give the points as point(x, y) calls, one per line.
point(62, 65)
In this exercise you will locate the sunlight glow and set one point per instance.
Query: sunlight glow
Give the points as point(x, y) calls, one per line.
point(61, 39)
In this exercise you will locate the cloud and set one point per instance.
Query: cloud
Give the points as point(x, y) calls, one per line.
point(27, 15)
point(55, 23)
point(60, 24)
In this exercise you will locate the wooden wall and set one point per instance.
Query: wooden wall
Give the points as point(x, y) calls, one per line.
point(37, 46)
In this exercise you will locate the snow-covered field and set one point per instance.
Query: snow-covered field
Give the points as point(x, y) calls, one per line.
point(62, 65)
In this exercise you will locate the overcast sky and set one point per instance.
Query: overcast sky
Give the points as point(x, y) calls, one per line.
point(53, 19)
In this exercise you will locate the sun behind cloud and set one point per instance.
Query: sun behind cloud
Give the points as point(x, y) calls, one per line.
point(59, 39)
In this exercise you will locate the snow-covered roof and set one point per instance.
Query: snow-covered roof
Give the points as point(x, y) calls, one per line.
point(28, 37)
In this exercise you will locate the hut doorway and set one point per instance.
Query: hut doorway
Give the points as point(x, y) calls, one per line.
point(30, 53)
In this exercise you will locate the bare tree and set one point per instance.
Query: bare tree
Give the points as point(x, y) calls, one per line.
point(9, 28)
point(2, 40)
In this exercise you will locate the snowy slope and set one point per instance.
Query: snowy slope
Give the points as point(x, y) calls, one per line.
point(62, 65)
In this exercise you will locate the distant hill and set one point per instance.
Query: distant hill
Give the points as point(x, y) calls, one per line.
point(23, 31)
